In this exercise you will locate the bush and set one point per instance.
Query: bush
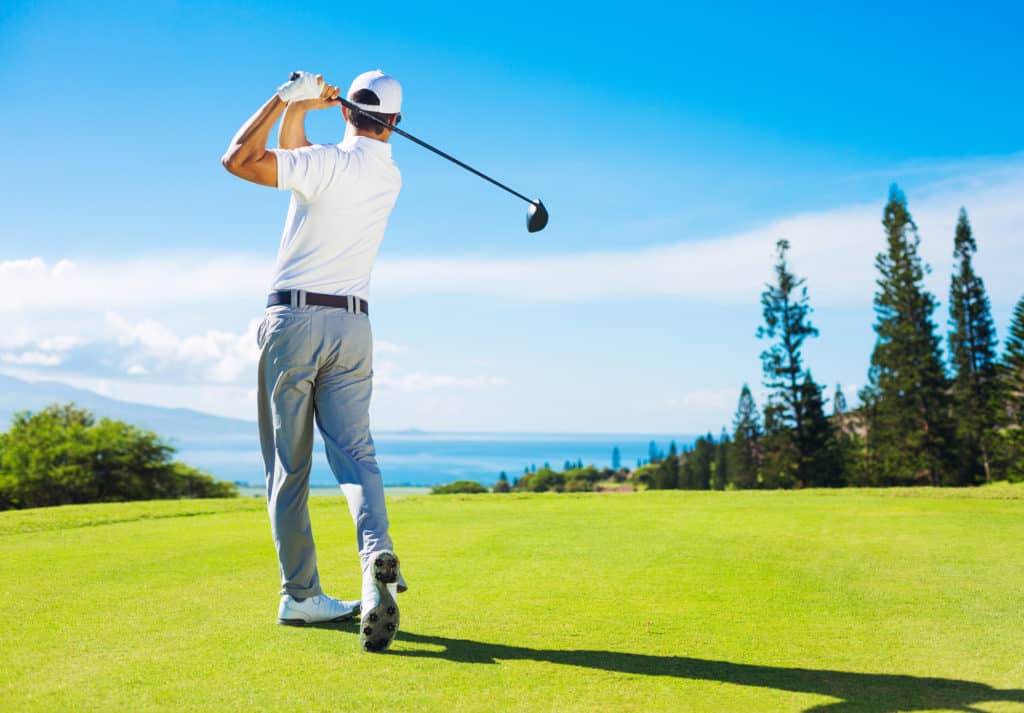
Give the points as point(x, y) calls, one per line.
point(502, 485)
point(578, 485)
point(62, 456)
point(459, 486)
point(542, 481)
point(645, 475)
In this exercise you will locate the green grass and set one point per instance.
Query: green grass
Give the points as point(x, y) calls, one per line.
point(662, 601)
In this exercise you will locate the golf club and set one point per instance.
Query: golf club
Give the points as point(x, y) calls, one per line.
point(536, 216)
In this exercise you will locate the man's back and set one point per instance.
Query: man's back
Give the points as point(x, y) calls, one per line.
point(342, 196)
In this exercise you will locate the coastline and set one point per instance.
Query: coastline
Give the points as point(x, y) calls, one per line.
point(324, 490)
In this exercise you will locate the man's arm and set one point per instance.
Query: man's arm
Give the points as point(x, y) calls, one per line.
point(292, 134)
point(247, 156)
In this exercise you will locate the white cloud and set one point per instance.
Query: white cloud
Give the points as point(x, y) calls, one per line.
point(834, 249)
point(153, 282)
point(30, 358)
point(165, 329)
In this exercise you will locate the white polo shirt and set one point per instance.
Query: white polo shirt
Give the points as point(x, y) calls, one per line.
point(342, 197)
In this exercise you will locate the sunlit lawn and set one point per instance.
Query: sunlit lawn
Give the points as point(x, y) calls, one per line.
point(660, 601)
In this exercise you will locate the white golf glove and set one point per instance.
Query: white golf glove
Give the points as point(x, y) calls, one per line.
point(305, 86)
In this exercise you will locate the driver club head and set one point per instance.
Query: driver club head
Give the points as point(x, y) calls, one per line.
point(536, 216)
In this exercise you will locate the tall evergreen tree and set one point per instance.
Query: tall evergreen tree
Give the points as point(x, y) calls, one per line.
point(824, 468)
point(786, 310)
point(699, 462)
point(667, 476)
point(909, 427)
point(616, 458)
point(1012, 391)
point(720, 468)
point(745, 455)
point(972, 349)
point(652, 453)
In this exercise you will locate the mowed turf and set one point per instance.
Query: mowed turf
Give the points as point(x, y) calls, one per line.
point(902, 600)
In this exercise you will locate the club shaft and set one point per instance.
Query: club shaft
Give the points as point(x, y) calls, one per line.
point(439, 152)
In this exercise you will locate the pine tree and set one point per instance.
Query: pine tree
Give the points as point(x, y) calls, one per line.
point(745, 457)
point(824, 467)
point(667, 476)
point(1012, 393)
point(789, 453)
point(909, 428)
point(703, 456)
point(720, 468)
point(652, 453)
point(972, 348)
point(616, 458)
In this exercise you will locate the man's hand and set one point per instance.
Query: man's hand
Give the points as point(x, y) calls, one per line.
point(328, 94)
point(292, 134)
point(304, 86)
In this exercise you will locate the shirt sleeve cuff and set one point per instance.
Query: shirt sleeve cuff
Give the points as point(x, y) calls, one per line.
point(282, 159)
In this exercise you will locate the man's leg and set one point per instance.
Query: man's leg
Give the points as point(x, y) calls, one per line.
point(343, 390)
point(286, 378)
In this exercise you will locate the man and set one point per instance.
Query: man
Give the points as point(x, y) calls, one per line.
point(315, 339)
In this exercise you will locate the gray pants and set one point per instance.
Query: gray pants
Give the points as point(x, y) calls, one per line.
point(316, 363)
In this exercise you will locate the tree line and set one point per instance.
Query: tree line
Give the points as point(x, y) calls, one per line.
point(63, 455)
point(923, 419)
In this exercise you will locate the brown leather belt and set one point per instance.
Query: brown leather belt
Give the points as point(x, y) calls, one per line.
point(301, 298)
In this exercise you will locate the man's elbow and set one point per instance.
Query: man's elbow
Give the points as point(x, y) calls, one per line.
point(231, 162)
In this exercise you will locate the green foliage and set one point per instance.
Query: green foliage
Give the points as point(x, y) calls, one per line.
point(459, 486)
point(720, 468)
point(541, 481)
point(61, 456)
point(695, 471)
point(1010, 443)
point(502, 486)
point(790, 450)
point(645, 476)
point(745, 450)
point(848, 442)
point(972, 348)
point(909, 425)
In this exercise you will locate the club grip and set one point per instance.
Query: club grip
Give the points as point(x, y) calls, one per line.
point(293, 77)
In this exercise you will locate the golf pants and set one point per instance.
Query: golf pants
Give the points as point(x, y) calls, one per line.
point(316, 364)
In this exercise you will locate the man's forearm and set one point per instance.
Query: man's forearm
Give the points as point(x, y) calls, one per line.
point(250, 143)
point(292, 134)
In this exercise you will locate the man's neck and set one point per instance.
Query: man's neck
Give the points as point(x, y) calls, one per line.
point(383, 137)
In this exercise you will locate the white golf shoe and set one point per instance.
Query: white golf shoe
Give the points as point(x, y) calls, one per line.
point(314, 610)
point(379, 622)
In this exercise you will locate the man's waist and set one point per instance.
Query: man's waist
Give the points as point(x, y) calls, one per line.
point(302, 298)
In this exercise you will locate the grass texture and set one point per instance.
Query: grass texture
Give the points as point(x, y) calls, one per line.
point(823, 601)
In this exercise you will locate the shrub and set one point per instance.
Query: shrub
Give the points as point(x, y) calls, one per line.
point(502, 485)
point(61, 456)
point(459, 486)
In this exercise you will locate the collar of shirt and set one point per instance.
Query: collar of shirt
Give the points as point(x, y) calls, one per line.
point(367, 144)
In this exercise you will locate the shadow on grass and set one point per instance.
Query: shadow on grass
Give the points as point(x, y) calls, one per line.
point(857, 692)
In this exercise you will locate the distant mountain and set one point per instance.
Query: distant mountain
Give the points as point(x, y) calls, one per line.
point(177, 425)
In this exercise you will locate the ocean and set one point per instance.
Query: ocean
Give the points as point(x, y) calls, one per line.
point(425, 459)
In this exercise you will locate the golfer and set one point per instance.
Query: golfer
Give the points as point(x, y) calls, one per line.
point(315, 340)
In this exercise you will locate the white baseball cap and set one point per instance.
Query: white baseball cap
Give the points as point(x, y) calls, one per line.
point(386, 87)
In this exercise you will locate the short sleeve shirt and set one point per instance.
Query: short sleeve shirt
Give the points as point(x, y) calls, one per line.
point(342, 197)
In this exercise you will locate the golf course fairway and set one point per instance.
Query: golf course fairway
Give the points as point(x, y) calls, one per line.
point(837, 601)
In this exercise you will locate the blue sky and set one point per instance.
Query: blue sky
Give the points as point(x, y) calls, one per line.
point(672, 146)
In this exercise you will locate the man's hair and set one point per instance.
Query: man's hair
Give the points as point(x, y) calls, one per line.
point(361, 119)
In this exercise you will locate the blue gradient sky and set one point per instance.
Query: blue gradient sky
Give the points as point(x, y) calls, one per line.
point(672, 146)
